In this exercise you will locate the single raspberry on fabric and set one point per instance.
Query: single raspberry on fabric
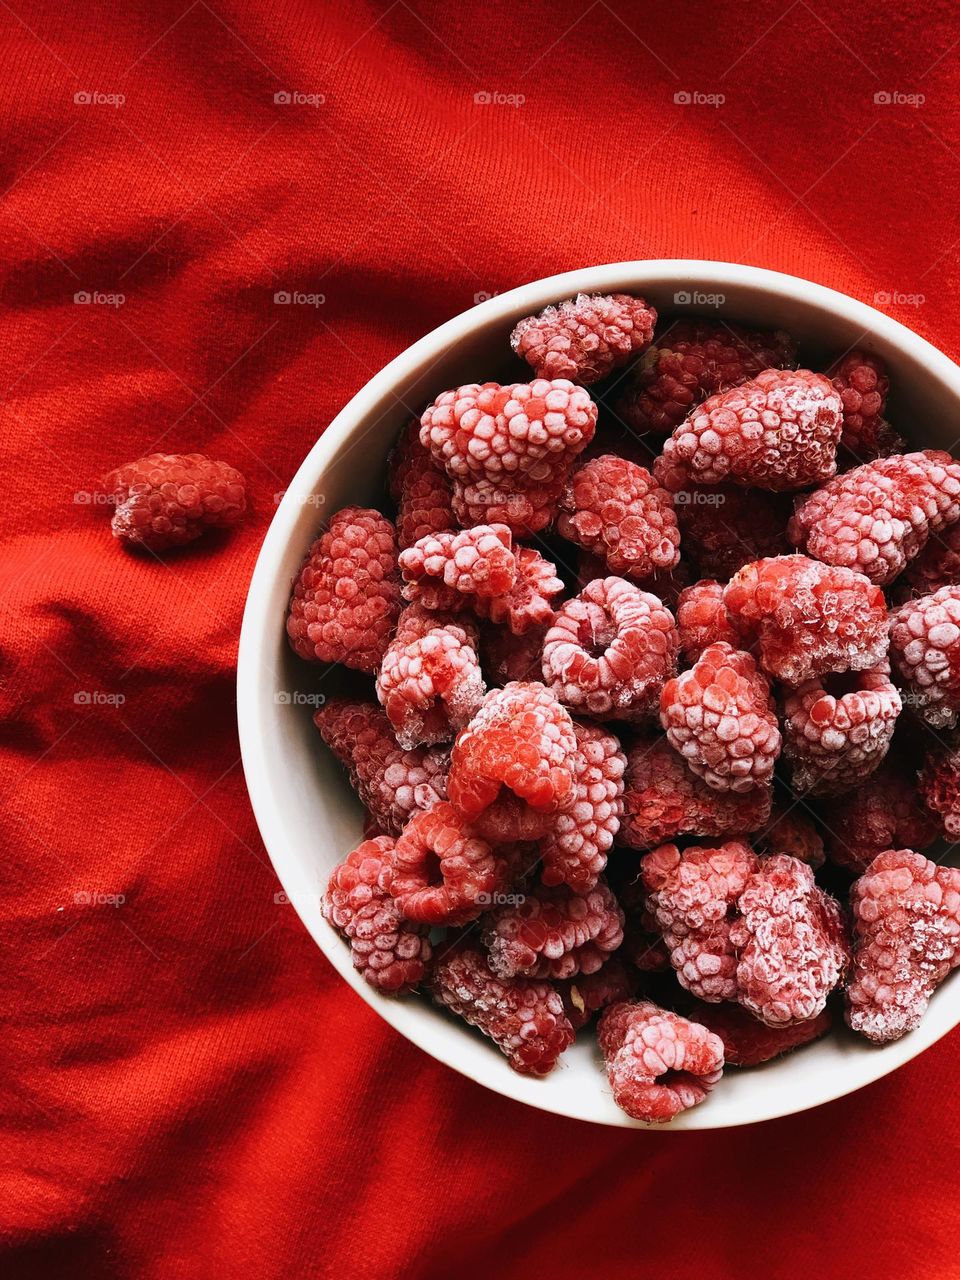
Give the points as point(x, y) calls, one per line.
point(906, 913)
point(390, 952)
point(664, 799)
point(939, 787)
point(392, 783)
point(169, 499)
point(447, 570)
point(553, 932)
point(507, 657)
point(694, 359)
point(807, 618)
point(643, 942)
point(791, 943)
point(441, 873)
point(586, 337)
point(779, 432)
point(925, 653)
point(575, 850)
point(862, 383)
point(522, 1016)
point(725, 527)
point(346, 598)
point(615, 509)
point(937, 565)
point(837, 729)
point(702, 619)
point(720, 715)
point(692, 896)
point(610, 651)
point(513, 768)
point(588, 993)
point(658, 1063)
point(791, 830)
point(885, 812)
point(747, 1041)
point(430, 683)
point(529, 602)
point(878, 517)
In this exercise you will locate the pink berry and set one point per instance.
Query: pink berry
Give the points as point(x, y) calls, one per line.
point(586, 337)
point(553, 932)
point(862, 383)
point(702, 619)
point(169, 499)
point(884, 812)
point(925, 653)
point(575, 850)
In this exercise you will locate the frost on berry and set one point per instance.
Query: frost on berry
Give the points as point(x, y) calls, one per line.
point(553, 932)
point(939, 786)
point(658, 1064)
point(837, 729)
point(885, 812)
point(391, 782)
point(392, 953)
point(906, 913)
point(586, 337)
point(524, 1017)
point(421, 489)
point(694, 359)
point(447, 570)
point(807, 618)
point(513, 768)
point(616, 510)
point(747, 1041)
point(702, 619)
point(346, 598)
point(430, 683)
point(169, 499)
point(663, 799)
point(878, 517)
point(862, 383)
point(725, 526)
point(720, 716)
point(575, 849)
point(779, 432)
point(528, 604)
point(610, 651)
point(588, 993)
point(925, 654)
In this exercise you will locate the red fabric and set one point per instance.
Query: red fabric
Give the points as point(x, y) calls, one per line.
point(189, 1089)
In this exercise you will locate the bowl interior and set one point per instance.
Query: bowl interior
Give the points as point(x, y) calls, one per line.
point(308, 815)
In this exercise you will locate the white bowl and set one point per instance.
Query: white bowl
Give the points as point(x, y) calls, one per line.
point(306, 812)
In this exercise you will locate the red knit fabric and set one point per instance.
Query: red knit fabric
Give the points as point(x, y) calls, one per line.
point(189, 1089)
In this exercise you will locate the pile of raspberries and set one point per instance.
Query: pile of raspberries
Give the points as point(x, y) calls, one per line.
point(657, 659)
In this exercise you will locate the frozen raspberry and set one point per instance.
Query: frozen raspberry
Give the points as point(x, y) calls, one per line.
point(778, 432)
point(346, 598)
point(663, 799)
point(440, 873)
point(702, 619)
point(939, 786)
point(443, 570)
point(523, 1017)
point(553, 932)
point(421, 489)
point(692, 360)
point(692, 896)
point(837, 729)
point(885, 812)
point(925, 652)
point(747, 1042)
point(507, 657)
point(392, 783)
point(615, 509)
point(525, 512)
point(658, 1063)
point(528, 603)
point(610, 651)
point(720, 716)
point(791, 831)
point(513, 768)
point(862, 383)
point(807, 618)
point(430, 683)
point(575, 850)
point(169, 499)
point(791, 943)
point(906, 913)
point(879, 516)
point(586, 337)
point(390, 952)
point(588, 993)
point(643, 942)
point(725, 527)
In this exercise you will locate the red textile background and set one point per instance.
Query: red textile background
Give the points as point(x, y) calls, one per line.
point(189, 1090)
